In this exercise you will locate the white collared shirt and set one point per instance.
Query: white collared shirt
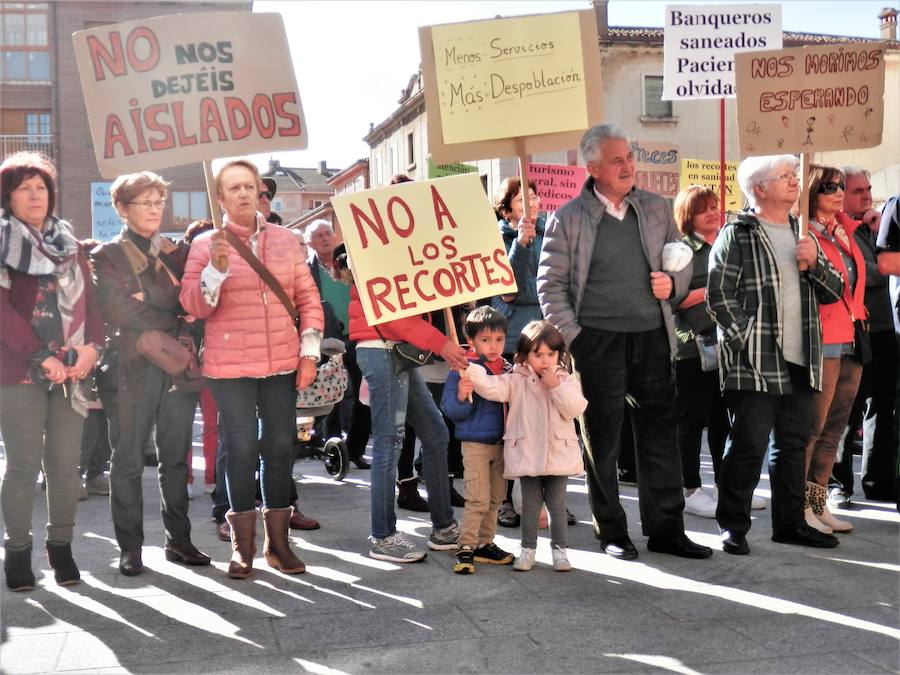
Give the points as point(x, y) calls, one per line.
point(617, 212)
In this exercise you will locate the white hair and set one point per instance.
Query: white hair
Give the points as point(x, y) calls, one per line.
point(595, 136)
point(851, 171)
point(314, 226)
point(754, 171)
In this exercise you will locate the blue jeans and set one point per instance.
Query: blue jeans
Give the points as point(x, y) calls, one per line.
point(242, 401)
point(396, 398)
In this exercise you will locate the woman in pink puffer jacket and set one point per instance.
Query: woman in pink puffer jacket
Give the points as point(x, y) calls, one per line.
point(254, 358)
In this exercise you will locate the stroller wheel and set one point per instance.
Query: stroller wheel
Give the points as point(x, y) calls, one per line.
point(336, 457)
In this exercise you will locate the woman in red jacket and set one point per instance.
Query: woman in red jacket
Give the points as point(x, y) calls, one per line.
point(254, 358)
point(841, 355)
point(395, 399)
point(50, 342)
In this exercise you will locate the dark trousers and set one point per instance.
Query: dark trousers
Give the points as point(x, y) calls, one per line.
point(243, 403)
point(700, 405)
point(755, 416)
point(359, 426)
point(612, 365)
point(407, 463)
point(95, 448)
point(172, 412)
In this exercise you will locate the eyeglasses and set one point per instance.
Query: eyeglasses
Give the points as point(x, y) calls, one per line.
point(147, 205)
point(784, 176)
point(266, 195)
point(831, 187)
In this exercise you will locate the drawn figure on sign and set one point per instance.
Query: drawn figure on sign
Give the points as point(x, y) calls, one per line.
point(831, 120)
point(786, 121)
point(869, 111)
point(864, 138)
point(810, 128)
point(847, 132)
point(780, 142)
point(753, 128)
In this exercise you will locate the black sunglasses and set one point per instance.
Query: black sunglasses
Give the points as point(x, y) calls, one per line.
point(831, 187)
point(265, 194)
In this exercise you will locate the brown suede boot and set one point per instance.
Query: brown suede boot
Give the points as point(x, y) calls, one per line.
point(243, 542)
point(277, 548)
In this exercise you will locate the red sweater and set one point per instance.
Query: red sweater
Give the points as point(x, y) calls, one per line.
point(412, 329)
point(837, 322)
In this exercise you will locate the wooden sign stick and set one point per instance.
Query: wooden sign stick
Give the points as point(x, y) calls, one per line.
point(215, 214)
point(523, 180)
point(453, 335)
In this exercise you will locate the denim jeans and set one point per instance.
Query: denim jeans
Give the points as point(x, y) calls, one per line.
point(756, 415)
point(612, 365)
point(242, 403)
point(396, 398)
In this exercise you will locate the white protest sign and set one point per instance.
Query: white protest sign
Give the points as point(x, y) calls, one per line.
point(185, 88)
point(701, 41)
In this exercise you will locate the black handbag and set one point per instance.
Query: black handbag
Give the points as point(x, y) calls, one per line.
point(862, 341)
point(407, 356)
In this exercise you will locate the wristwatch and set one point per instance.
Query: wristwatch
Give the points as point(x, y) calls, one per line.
point(311, 357)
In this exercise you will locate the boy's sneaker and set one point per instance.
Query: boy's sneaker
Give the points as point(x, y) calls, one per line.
point(560, 560)
point(444, 538)
point(525, 561)
point(395, 548)
point(507, 516)
point(465, 561)
point(492, 555)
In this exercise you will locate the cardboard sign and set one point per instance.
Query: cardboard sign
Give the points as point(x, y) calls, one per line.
point(556, 183)
point(706, 172)
point(489, 82)
point(700, 42)
point(185, 88)
point(656, 166)
point(423, 246)
point(106, 222)
point(810, 99)
point(442, 170)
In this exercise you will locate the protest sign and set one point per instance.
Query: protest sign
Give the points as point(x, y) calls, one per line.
point(105, 220)
point(454, 169)
point(423, 246)
point(656, 167)
point(489, 83)
point(700, 43)
point(556, 183)
point(184, 88)
point(810, 99)
point(707, 173)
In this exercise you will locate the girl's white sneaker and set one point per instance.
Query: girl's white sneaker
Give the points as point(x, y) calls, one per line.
point(525, 561)
point(560, 560)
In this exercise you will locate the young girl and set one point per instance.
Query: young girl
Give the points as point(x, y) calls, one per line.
point(540, 444)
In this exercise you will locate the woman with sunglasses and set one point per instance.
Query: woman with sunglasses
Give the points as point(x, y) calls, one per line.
point(841, 352)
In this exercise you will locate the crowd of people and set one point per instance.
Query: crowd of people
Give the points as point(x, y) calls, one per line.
point(629, 313)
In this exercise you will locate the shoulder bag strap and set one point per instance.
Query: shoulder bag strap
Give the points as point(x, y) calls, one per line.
point(263, 273)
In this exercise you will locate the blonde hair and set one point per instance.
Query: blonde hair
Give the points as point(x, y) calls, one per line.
point(125, 188)
point(246, 163)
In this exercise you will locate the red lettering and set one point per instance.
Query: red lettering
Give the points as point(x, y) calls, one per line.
point(488, 270)
point(234, 105)
point(460, 271)
point(167, 142)
point(418, 288)
point(403, 232)
point(142, 66)
point(412, 257)
point(281, 100)
point(501, 261)
point(115, 62)
point(261, 102)
point(377, 297)
point(115, 133)
point(178, 115)
point(431, 251)
point(138, 128)
point(402, 292)
point(447, 241)
point(377, 226)
point(440, 210)
point(444, 283)
point(210, 119)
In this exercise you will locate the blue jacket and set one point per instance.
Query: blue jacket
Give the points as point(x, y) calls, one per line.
point(524, 262)
point(480, 421)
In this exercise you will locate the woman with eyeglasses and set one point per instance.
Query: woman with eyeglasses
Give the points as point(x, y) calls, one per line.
point(138, 277)
point(842, 351)
point(49, 343)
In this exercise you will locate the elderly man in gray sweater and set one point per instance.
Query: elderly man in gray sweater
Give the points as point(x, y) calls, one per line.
point(600, 282)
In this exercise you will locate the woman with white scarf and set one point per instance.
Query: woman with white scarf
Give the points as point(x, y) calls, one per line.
point(49, 344)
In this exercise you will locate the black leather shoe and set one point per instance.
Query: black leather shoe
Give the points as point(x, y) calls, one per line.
point(621, 548)
point(130, 563)
point(734, 543)
point(678, 545)
point(186, 554)
point(570, 518)
point(361, 462)
point(804, 535)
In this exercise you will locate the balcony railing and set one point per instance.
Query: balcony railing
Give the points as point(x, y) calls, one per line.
point(13, 143)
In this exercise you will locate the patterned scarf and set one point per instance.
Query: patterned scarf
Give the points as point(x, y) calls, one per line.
point(52, 251)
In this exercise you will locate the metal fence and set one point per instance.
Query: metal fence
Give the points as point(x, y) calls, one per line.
point(10, 144)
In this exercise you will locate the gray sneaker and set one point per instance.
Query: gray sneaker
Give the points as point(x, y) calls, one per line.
point(444, 538)
point(98, 485)
point(395, 548)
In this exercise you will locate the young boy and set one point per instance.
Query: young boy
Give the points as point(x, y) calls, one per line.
point(479, 427)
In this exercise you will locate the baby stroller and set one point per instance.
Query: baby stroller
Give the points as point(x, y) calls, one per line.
point(316, 401)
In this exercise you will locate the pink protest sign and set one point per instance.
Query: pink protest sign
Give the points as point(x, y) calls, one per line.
point(556, 183)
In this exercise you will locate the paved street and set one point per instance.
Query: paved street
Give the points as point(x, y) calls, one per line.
point(782, 609)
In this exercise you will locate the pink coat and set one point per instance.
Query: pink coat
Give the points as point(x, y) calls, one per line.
point(247, 335)
point(540, 437)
